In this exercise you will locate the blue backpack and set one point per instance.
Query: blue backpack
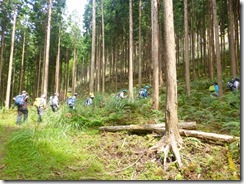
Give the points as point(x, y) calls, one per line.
point(20, 100)
point(71, 101)
point(142, 92)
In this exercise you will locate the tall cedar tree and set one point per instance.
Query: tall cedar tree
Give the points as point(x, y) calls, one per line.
point(91, 84)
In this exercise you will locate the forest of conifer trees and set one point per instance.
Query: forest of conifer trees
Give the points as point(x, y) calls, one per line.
point(175, 50)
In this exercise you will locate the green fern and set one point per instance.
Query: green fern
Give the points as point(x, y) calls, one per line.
point(232, 127)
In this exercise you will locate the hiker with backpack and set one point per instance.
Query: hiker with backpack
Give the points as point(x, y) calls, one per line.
point(143, 92)
point(233, 84)
point(40, 104)
point(21, 103)
point(71, 101)
point(89, 101)
point(121, 94)
point(54, 102)
point(214, 89)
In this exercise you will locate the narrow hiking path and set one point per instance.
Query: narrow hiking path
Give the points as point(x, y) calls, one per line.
point(7, 128)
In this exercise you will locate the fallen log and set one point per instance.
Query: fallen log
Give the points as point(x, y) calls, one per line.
point(148, 128)
point(160, 129)
point(208, 136)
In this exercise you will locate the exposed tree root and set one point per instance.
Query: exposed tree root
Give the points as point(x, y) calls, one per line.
point(165, 145)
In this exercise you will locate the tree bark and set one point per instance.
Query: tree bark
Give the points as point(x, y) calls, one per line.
point(3, 27)
point(74, 73)
point(140, 49)
point(186, 50)
point(66, 72)
point(172, 139)
point(22, 64)
point(231, 39)
point(130, 89)
point(154, 15)
point(103, 52)
point(209, 137)
point(91, 83)
point(11, 61)
point(45, 79)
point(193, 41)
point(148, 128)
point(217, 47)
point(57, 82)
point(39, 71)
point(210, 40)
point(186, 129)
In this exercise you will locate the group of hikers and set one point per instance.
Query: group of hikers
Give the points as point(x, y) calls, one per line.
point(41, 102)
point(143, 92)
point(233, 85)
point(21, 102)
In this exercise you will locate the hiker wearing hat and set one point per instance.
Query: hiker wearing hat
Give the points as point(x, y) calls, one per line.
point(143, 92)
point(54, 102)
point(40, 104)
point(71, 101)
point(214, 89)
point(121, 94)
point(233, 85)
point(89, 100)
point(22, 108)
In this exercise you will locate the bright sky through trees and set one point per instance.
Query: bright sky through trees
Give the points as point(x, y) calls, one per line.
point(77, 6)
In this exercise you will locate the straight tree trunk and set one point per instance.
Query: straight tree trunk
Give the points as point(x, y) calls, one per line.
point(98, 62)
point(171, 138)
point(231, 39)
point(204, 40)
point(66, 72)
point(3, 27)
point(7, 100)
point(43, 65)
point(160, 54)
point(74, 73)
point(57, 82)
point(217, 47)
point(13, 82)
point(103, 52)
point(83, 70)
point(91, 83)
point(110, 61)
point(193, 41)
point(199, 51)
point(186, 50)
point(130, 90)
point(223, 32)
point(22, 65)
point(210, 40)
point(99, 68)
point(116, 60)
point(154, 15)
point(113, 65)
point(140, 48)
point(39, 74)
point(237, 34)
point(45, 87)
